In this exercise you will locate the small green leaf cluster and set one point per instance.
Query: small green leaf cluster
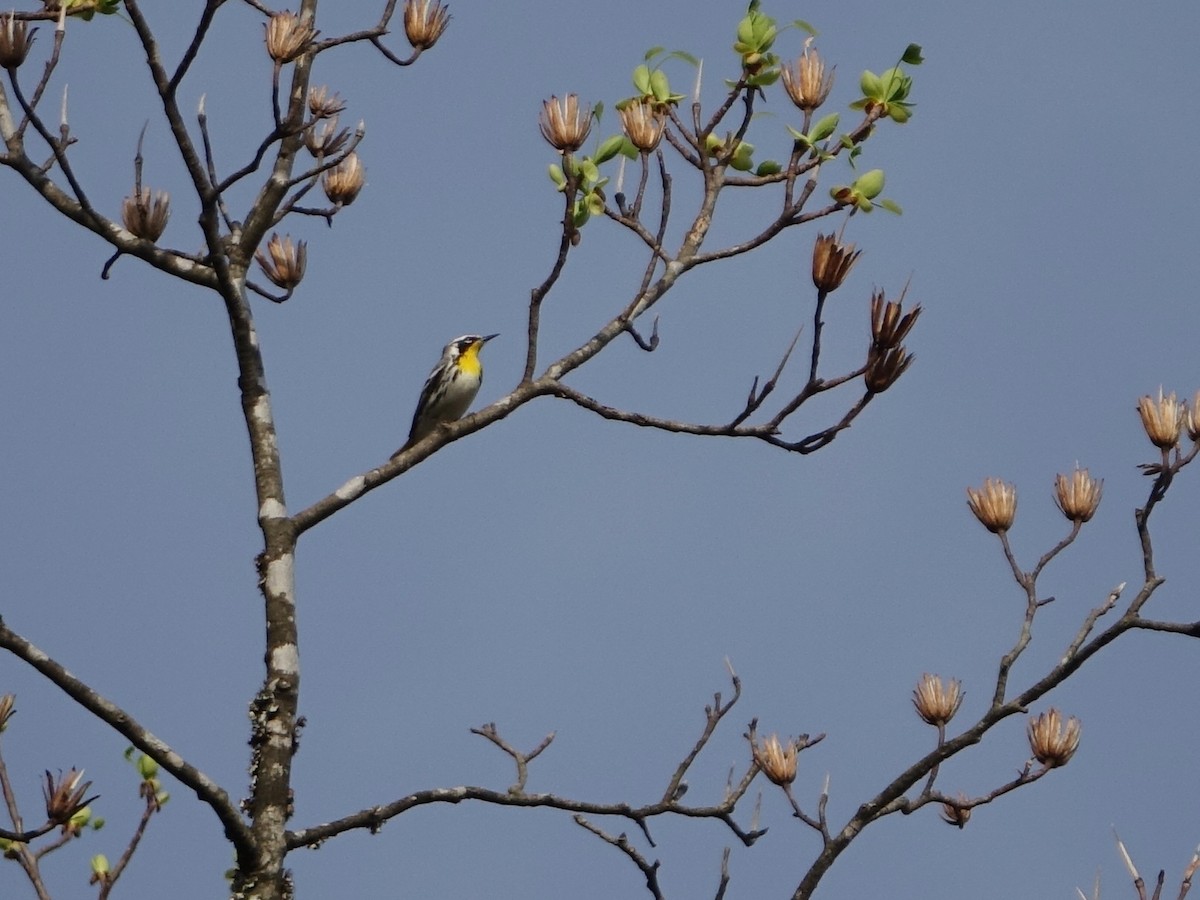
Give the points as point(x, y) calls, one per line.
point(888, 91)
point(147, 770)
point(756, 34)
point(589, 186)
point(85, 9)
point(741, 159)
point(652, 84)
point(819, 131)
point(862, 193)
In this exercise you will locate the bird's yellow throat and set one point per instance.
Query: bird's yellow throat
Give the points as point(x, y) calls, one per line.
point(468, 361)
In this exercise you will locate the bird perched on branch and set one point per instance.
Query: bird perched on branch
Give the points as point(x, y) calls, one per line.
point(450, 387)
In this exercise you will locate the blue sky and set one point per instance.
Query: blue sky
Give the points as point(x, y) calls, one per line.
point(561, 573)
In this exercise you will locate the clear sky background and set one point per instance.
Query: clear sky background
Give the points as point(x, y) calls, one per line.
point(561, 573)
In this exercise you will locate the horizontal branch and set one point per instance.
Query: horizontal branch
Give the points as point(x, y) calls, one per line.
point(373, 818)
point(561, 390)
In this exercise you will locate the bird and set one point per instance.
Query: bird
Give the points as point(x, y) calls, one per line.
point(450, 387)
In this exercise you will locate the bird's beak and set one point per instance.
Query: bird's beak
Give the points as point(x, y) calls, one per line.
point(488, 337)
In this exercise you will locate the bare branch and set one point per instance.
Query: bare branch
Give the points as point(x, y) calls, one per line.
point(521, 759)
point(621, 842)
point(108, 712)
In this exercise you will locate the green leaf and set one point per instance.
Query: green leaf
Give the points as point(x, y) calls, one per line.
point(580, 215)
point(768, 167)
point(891, 206)
point(609, 148)
point(659, 86)
point(597, 111)
point(685, 56)
point(654, 51)
point(741, 157)
point(870, 85)
point(869, 184)
point(823, 128)
point(628, 150)
point(804, 26)
point(799, 136)
point(595, 204)
point(588, 169)
point(912, 55)
point(899, 112)
point(763, 79)
point(745, 30)
point(560, 181)
point(641, 79)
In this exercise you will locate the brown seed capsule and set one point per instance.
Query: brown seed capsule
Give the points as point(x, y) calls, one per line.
point(145, 214)
point(954, 814)
point(322, 104)
point(1162, 419)
point(287, 36)
point(6, 709)
point(343, 182)
point(994, 505)
point(936, 701)
point(884, 369)
point(65, 795)
point(643, 125)
point(1078, 494)
point(424, 22)
point(1051, 743)
point(564, 124)
point(1193, 419)
point(889, 323)
point(322, 137)
point(806, 81)
point(831, 262)
point(15, 41)
point(285, 267)
point(776, 762)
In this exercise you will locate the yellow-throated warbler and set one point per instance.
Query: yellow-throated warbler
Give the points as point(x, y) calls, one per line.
point(450, 387)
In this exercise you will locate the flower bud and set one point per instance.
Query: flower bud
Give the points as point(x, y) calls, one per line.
point(776, 762)
point(145, 215)
point(1051, 744)
point(146, 767)
point(285, 267)
point(831, 262)
point(1162, 419)
point(343, 182)
point(564, 124)
point(287, 36)
point(936, 701)
point(100, 869)
point(994, 505)
point(1078, 494)
point(424, 22)
point(806, 81)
